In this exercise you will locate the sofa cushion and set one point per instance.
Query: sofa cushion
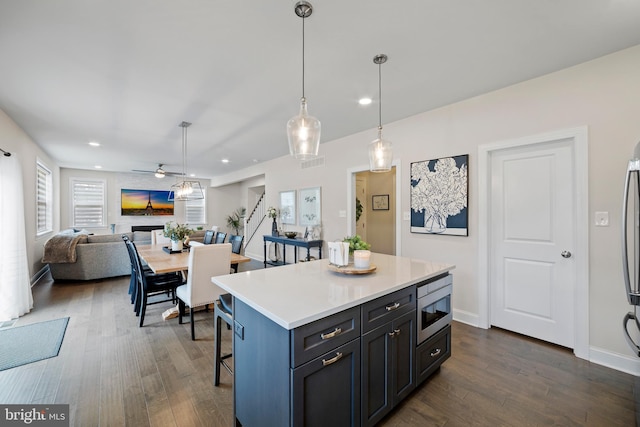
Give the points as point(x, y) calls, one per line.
point(105, 238)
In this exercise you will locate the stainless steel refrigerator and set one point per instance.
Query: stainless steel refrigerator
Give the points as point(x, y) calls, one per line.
point(631, 248)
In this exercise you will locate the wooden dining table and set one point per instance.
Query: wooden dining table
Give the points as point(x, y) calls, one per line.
point(163, 262)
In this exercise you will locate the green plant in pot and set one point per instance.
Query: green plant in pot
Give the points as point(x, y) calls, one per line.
point(177, 233)
point(235, 219)
point(356, 244)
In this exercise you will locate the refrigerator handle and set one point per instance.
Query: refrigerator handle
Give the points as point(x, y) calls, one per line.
point(625, 324)
point(625, 248)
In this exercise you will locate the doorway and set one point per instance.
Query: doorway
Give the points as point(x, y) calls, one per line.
point(378, 225)
point(533, 244)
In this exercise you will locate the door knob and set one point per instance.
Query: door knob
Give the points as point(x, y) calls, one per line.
point(565, 254)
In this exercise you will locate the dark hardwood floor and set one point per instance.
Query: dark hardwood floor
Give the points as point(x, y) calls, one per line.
point(113, 373)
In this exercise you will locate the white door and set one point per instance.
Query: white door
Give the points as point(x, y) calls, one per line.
point(532, 210)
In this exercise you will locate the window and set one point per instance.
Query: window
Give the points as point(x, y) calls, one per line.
point(88, 206)
point(195, 212)
point(44, 208)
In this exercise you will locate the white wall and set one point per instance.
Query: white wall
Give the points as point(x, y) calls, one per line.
point(603, 94)
point(20, 145)
point(116, 182)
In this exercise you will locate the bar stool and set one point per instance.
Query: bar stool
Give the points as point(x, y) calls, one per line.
point(222, 311)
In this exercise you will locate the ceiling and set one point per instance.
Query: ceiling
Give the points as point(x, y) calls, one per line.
point(126, 73)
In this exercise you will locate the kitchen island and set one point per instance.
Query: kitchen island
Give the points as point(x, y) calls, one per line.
point(308, 341)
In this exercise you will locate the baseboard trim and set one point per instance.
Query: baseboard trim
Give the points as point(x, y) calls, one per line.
point(466, 317)
point(619, 362)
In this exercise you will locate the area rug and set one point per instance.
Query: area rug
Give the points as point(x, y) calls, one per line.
point(30, 343)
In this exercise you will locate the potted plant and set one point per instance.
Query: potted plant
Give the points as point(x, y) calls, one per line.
point(359, 250)
point(273, 214)
point(356, 243)
point(177, 233)
point(235, 219)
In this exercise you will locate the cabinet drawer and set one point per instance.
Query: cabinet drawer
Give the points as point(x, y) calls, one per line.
point(431, 353)
point(387, 308)
point(320, 337)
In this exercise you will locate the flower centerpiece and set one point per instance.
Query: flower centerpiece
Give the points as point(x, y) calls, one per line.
point(177, 233)
point(273, 214)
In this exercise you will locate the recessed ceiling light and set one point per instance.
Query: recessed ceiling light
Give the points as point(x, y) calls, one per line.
point(94, 144)
point(365, 101)
point(225, 160)
point(98, 167)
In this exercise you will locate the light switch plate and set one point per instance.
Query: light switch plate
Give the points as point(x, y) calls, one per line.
point(406, 216)
point(602, 219)
point(342, 214)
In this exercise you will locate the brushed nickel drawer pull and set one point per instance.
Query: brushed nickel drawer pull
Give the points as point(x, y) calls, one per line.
point(336, 331)
point(393, 306)
point(394, 333)
point(332, 360)
point(435, 353)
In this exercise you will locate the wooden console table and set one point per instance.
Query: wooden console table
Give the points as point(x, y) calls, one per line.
point(298, 243)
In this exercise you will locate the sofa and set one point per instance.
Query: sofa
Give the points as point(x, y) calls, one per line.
point(99, 256)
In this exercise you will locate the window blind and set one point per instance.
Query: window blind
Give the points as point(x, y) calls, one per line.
point(88, 198)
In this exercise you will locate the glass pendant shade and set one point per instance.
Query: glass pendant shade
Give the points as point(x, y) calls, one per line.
point(380, 154)
point(186, 190)
point(303, 132)
point(380, 150)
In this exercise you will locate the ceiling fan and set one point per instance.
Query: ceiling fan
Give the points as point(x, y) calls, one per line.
point(160, 173)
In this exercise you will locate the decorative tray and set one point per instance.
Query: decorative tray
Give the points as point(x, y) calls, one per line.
point(168, 250)
point(350, 269)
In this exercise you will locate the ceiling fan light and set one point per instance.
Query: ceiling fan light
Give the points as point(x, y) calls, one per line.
point(160, 173)
point(303, 133)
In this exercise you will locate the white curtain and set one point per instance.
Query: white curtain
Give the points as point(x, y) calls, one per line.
point(15, 286)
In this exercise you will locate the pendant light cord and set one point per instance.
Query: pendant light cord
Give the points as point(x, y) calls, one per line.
point(184, 126)
point(303, 18)
point(380, 96)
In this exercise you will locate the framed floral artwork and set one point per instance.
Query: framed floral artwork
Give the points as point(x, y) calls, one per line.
point(439, 196)
point(309, 206)
point(288, 207)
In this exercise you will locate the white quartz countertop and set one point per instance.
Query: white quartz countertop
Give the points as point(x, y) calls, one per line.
point(296, 294)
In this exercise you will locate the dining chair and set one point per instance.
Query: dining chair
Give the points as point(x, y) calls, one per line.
point(134, 279)
point(222, 311)
point(150, 284)
point(220, 237)
point(208, 237)
point(133, 283)
point(205, 262)
point(236, 248)
point(157, 238)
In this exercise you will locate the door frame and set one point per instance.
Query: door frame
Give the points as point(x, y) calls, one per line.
point(579, 142)
point(351, 208)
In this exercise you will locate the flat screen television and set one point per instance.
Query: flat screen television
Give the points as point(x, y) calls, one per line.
point(145, 202)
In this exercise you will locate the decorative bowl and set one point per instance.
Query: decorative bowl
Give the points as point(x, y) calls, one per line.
point(291, 234)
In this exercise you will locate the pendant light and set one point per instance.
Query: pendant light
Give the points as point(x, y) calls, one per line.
point(303, 130)
point(380, 150)
point(185, 190)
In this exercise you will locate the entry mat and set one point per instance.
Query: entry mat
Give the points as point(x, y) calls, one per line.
point(30, 343)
